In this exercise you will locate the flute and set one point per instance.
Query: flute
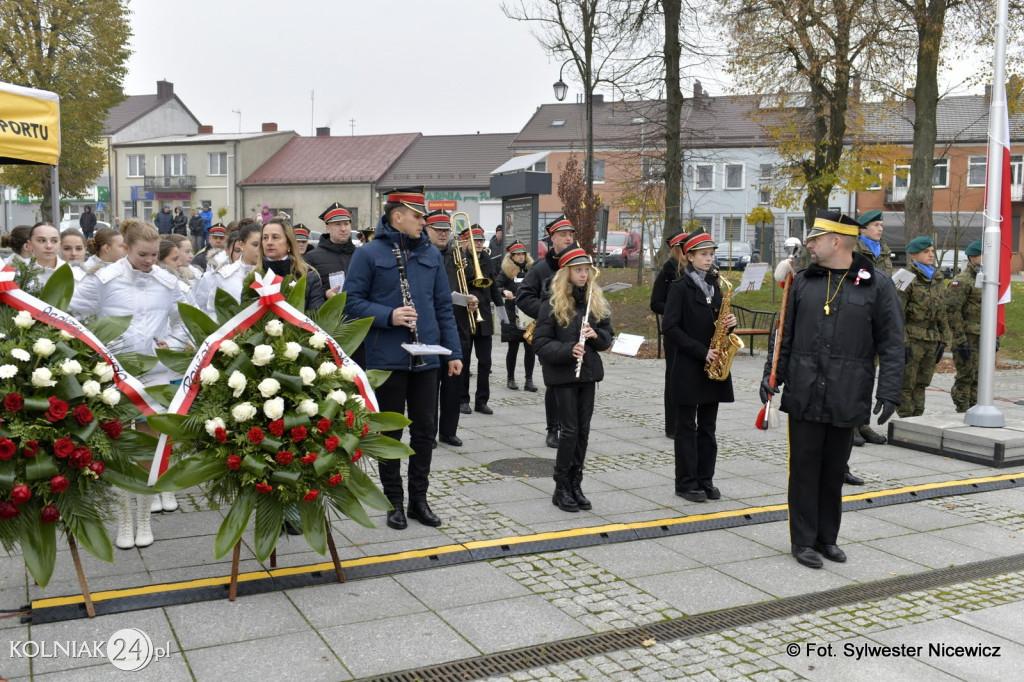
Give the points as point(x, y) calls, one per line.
point(583, 339)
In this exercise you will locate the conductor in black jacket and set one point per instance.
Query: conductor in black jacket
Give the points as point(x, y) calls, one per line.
point(332, 256)
point(841, 313)
point(659, 296)
point(481, 337)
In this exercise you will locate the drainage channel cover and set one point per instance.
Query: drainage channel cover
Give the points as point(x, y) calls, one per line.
point(525, 467)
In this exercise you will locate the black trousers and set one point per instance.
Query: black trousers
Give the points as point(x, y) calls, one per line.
point(671, 408)
point(413, 394)
point(446, 415)
point(513, 354)
point(575, 409)
point(696, 447)
point(483, 367)
point(818, 454)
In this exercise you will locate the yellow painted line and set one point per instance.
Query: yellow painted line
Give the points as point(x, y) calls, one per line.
point(148, 589)
point(540, 537)
point(931, 486)
point(707, 517)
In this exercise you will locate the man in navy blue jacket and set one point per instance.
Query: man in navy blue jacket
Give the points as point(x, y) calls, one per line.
point(374, 290)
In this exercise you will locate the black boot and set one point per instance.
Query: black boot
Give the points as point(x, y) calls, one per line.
point(563, 498)
point(512, 385)
point(529, 386)
point(552, 439)
point(575, 481)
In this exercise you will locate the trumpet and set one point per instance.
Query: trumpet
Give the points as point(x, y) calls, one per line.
point(479, 281)
point(460, 276)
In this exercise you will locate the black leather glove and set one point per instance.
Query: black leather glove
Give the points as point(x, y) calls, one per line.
point(766, 389)
point(939, 350)
point(908, 354)
point(884, 410)
point(964, 349)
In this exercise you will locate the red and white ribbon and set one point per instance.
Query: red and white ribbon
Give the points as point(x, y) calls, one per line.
point(271, 300)
point(19, 299)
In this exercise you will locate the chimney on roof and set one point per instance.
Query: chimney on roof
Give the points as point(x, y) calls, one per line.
point(597, 99)
point(323, 132)
point(270, 127)
point(698, 89)
point(164, 90)
point(205, 130)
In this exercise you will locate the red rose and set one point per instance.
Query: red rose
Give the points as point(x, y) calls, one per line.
point(357, 456)
point(7, 448)
point(220, 434)
point(284, 458)
point(8, 511)
point(234, 462)
point(21, 494)
point(82, 414)
point(112, 428)
point(30, 448)
point(255, 435)
point(298, 433)
point(331, 444)
point(334, 480)
point(59, 484)
point(276, 427)
point(350, 418)
point(366, 429)
point(309, 458)
point(13, 402)
point(310, 496)
point(49, 514)
point(63, 447)
point(58, 409)
point(263, 488)
point(323, 426)
point(80, 458)
point(97, 467)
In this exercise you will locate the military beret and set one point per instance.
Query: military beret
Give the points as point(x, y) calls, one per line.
point(974, 248)
point(869, 217)
point(919, 244)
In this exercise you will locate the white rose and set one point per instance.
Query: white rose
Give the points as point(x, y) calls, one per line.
point(262, 355)
point(308, 407)
point(268, 388)
point(338, 396)
point(91, 388)
point(66, 335)
point(44, 347)
point(24, 319)
point(349, 372)
point(42, 378)
point(291, 350)
point(318, 340)
point(243, 412)
point(20, 354)
point(327, 369)
point(212, 425)
point(110, 396)
point(359, 399)
point(307, 374)
point(70, 367)
point(274, 328)
point(8, 371)
point(3, 336)
point(229, 348)
point(274, 408)
point(104, 371)
point(209, 375)
point(236, 382)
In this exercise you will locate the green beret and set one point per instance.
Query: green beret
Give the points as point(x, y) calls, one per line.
point(974, 248)
point(869, 217)
point(919, 244)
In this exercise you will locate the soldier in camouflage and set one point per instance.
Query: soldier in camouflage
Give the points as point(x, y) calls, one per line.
point(964, 305)
point(925, 324)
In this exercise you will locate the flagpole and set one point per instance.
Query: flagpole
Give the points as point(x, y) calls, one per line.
point(985, 414)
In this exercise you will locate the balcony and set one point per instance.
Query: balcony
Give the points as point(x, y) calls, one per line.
point(1016, 192)
point(170, 182)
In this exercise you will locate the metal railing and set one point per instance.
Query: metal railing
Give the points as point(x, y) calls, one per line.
point(170, 182)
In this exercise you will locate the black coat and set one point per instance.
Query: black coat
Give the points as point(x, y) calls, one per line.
point(487, 295)
point(659, 291)
point(87, 221)
point(328, 258)
point(509, 330)
point(180, 224)
point(553, 344)
point(827, 362)
point(196, 225)
point(689, 325)
point(164, 222)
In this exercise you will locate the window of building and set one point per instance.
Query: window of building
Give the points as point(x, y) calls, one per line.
point(704, 176)
point(706, 223)
point(732, 228)
point(218, 163)
point(940, 173)
point(900, 181)
point(734, 176)
point(540, 166)
point(764, 196)
point(127, 209)
point(136, 165)
point(874, 179)
point(557, 123)
point(654, 168)
point(597, 168)
point(147, 210)
point(796, 228)
point(175, 164)
point(976, 167)
point(767, 171)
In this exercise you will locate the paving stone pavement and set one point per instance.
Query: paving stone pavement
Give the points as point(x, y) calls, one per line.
point(380, 625)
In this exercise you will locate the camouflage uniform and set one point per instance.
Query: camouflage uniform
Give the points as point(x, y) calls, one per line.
point(926, 326)
point(884, 260)
point(964, 306)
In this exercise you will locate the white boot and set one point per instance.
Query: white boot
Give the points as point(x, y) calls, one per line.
point(168, 502)
point(156, 507)
point(125, 527)
point(143, 533)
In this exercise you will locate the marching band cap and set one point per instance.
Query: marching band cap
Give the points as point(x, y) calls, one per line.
point(869, 217)
point(919, 244)
point(410, 197)
point(558, 224)
point(478, 233)
point(574, 256)
point(218, 228)
point(439, 220)
point(974, 248)
point(516, 247)
point(698, 239)
point(676, 239)
point(335, 213)
point(835, 222)
point(301, 232)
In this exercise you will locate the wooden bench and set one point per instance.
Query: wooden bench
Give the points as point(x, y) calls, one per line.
point(751, 323)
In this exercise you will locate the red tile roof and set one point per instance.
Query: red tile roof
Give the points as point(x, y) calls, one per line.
point(331, 160)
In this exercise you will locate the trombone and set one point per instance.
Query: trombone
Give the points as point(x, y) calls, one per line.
point(478, 281)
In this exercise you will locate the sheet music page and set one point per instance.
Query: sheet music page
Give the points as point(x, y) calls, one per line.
point(627, 344)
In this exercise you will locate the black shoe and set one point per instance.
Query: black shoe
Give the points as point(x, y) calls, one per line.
point(421, 512)
point(464, 408)
point(712, 492)
point(529, 386)
point(396, 519)
point(563, 499)
point(577, 493)
point(871, 436)
point(483, 409)
point(512, 385)
point(693, 495)
point(858, 440)
point(552, 440)
point(850, 479)
point(807, 556)
point(831, 552)
point(454, 441)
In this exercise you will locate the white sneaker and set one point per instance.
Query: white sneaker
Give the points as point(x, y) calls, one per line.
point(143, 532)
point(125, 528)
point(168, 502)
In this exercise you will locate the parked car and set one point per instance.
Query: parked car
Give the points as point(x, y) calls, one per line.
point(621, 250)
point(947, 265)
point(73, 222)
point(734, 255)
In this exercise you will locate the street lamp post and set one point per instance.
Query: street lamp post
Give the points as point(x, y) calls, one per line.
point(561, 89)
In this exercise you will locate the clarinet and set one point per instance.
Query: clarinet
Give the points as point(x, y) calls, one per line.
point(403, 282)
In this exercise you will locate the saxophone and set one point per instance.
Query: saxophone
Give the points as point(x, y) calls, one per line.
point(725, 343)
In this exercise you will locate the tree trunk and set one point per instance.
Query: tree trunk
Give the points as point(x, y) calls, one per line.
point(673, 116)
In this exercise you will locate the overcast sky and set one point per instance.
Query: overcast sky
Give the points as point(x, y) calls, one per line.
point(395, 66)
